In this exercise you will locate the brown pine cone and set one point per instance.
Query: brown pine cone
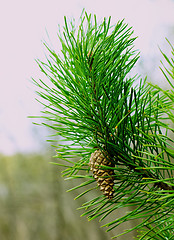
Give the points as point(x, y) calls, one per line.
point(104, 177)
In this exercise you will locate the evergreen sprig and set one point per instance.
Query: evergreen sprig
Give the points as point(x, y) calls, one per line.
point(163, 227)
point(92, 102)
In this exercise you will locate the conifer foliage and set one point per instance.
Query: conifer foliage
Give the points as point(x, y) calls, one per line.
point(111, 123)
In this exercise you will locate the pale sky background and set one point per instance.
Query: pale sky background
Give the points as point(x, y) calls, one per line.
point(23, 26)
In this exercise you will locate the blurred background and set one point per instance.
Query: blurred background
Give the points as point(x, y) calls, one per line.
point(33, 199)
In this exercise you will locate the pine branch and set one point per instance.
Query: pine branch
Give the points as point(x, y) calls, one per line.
point(112, 124)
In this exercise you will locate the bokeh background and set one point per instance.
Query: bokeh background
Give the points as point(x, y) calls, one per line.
point(33, 199)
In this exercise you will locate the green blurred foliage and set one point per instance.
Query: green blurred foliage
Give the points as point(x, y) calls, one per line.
point(35, 205)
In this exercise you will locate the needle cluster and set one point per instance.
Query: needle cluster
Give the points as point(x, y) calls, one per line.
point(95, 106)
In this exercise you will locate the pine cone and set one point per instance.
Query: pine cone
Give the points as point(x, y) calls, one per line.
point(104, 177)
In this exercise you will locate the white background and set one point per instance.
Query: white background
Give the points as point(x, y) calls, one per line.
point(23, 26)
